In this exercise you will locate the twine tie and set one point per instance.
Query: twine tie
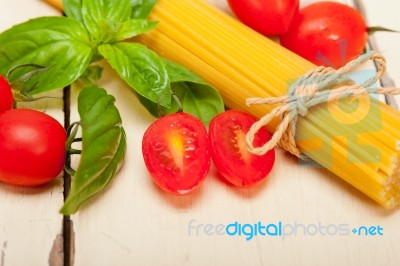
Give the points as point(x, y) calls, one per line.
point(322, 84)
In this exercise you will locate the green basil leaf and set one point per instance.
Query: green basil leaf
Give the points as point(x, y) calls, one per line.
point(103, 147)
point(194, 96)
point(98, 14)
point(133, 27)
point(141, 68)
point(117, 31)
point(178, 73)
point(73, 9)
point(142, 8)
point(61, 44)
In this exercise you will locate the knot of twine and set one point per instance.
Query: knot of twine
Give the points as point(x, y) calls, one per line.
point(322, 84)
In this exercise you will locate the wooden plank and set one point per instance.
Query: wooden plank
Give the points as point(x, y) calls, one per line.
point(134, 223)
point(29, 218)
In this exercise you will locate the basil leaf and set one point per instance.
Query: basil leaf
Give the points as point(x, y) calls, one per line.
point(178, 73)
point(194, 95)
point(103, 147)
point(141, 68)
point(133, 27)
point(99, 14)
point(116, 31)
point(200, 100)
point(142, 8)
point(59, 43)
point(73, 9)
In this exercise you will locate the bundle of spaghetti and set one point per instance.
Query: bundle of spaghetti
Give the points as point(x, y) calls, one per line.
point(241, 64)
point(361, 147)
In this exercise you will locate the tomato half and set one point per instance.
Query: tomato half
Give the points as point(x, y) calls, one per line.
point(176, 151)
point(327, 33)
point(32, 147)
point(6, 97)
point(229, 150)
point(269, 17)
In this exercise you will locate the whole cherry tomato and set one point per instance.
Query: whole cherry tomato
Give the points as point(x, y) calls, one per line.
point(176, 151)
point(32, 147)
point(269, 17)
point(229, 150)
point(6, 97)
point(327, 33)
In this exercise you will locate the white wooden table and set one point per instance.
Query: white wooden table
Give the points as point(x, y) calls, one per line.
point(134, 223)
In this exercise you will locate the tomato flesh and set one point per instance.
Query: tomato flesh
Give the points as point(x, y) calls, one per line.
point(229, 150)
point(269, 17)
point(327, 33)
point(176, 151)
point(6, 97)
point(32, 147)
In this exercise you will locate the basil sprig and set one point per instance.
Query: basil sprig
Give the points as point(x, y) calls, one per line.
point(102, 29)
point(68, 48)
point(103, 146)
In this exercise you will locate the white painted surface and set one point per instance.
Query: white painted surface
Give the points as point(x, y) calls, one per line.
point(29, 218)
point(134, 223)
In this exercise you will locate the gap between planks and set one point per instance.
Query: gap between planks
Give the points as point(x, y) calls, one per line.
point(63, 249)
point(68, 232)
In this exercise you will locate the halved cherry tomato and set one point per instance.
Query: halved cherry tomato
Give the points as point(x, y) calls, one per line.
point(32, 147)
point(176, 151)
point(229, 150)
point(269, 17)
point(327, 33)
point(6, 97)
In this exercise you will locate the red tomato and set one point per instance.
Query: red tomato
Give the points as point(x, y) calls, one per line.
point(6, 97)
point(176, 151)
point(327, 33)
point(32, 147)
point(229, 150)
point(269, 17)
